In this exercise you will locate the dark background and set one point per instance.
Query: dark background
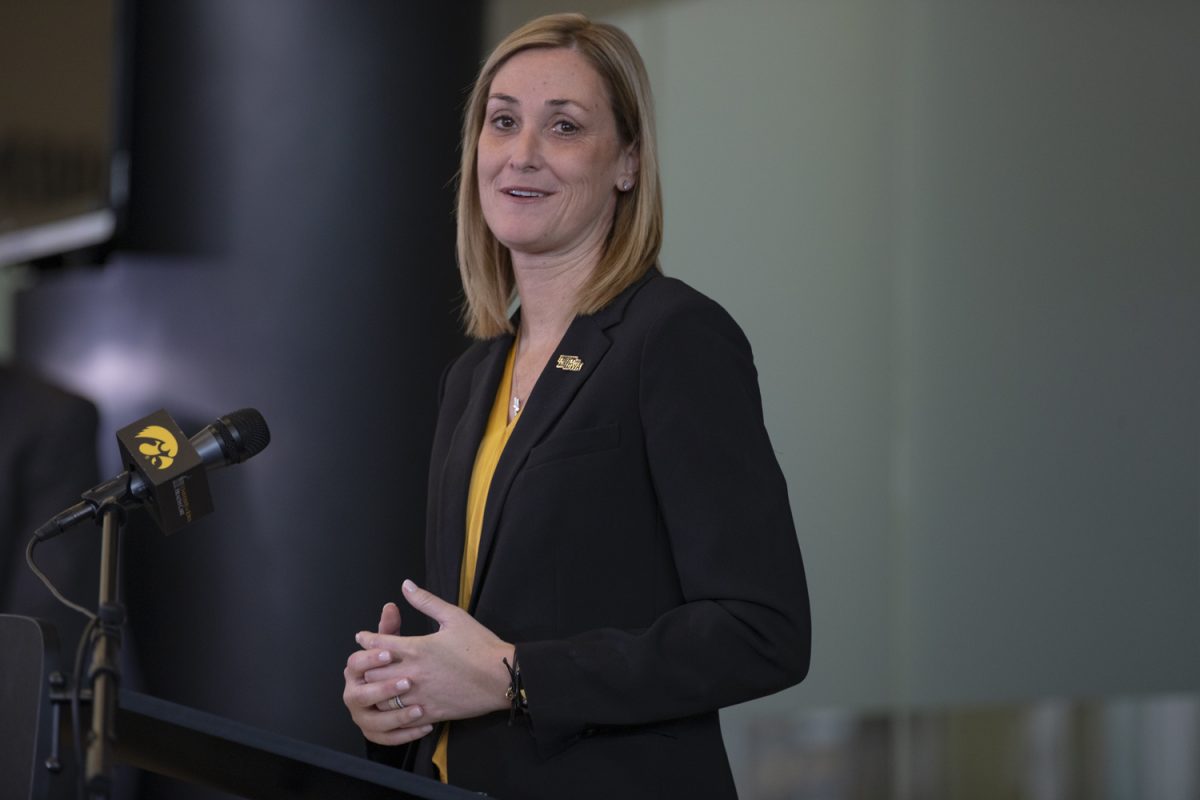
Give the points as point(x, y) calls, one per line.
point(289, 247)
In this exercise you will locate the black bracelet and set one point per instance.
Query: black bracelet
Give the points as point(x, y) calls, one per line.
point(516, 692)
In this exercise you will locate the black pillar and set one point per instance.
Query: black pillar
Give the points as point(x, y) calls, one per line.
point(290, 248)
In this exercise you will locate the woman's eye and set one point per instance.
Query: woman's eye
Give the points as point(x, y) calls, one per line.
point(566, 126)
point(504, 122)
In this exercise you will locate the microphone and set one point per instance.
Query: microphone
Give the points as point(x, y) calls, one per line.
point(170, 480)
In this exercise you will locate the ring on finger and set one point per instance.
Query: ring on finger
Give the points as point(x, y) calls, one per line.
point(396, 703)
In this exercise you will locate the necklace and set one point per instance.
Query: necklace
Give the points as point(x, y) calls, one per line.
point(515, 407)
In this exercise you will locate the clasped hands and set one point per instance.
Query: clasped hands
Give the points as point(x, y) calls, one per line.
point(455, 673)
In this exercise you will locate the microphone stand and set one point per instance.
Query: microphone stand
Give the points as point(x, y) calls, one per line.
point(105, 673)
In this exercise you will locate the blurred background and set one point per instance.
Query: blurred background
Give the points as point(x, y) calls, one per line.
point(961, 237)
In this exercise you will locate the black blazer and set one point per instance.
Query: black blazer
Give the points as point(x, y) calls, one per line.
point(637, 547)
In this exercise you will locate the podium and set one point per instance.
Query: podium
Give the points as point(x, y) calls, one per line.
point(28, 657)
point(171, 740)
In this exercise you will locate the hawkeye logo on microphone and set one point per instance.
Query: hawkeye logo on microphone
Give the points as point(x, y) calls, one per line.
point(157, 445)
point(175, 488)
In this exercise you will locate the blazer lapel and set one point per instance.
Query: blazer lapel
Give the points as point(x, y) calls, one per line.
point(583, 346)
point(457, 468)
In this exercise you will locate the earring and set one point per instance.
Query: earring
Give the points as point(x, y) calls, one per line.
point(626, 185)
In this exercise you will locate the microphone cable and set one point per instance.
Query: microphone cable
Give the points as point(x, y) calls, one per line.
point(83, 649)
point(45, 579)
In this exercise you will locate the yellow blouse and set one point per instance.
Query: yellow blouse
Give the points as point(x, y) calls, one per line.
point(491, 446)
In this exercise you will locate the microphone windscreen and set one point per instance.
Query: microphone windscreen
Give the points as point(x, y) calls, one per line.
point(245, 434)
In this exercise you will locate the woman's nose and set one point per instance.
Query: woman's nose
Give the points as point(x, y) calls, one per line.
point(526, 153)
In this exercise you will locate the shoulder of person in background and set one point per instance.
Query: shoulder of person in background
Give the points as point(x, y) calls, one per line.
point(47, 460)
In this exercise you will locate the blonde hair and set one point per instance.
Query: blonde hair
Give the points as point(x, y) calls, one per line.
point(635, 238)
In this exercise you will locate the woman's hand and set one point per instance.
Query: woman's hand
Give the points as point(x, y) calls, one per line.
point(369, 703)
point(455, 673)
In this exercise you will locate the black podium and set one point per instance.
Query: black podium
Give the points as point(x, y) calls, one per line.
point(28, 657)
point(172, 740)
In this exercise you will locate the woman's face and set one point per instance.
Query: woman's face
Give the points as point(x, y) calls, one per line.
point(550, 161)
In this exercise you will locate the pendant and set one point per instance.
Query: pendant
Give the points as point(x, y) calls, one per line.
point(516, 405)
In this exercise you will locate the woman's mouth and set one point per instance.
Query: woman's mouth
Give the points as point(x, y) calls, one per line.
point(523, 192)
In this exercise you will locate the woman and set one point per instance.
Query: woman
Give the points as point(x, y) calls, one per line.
point(610, 553)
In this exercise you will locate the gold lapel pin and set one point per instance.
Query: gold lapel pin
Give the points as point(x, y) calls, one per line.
point(569, 363)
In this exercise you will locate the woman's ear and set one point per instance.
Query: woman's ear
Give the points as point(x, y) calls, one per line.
point(630, 161)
